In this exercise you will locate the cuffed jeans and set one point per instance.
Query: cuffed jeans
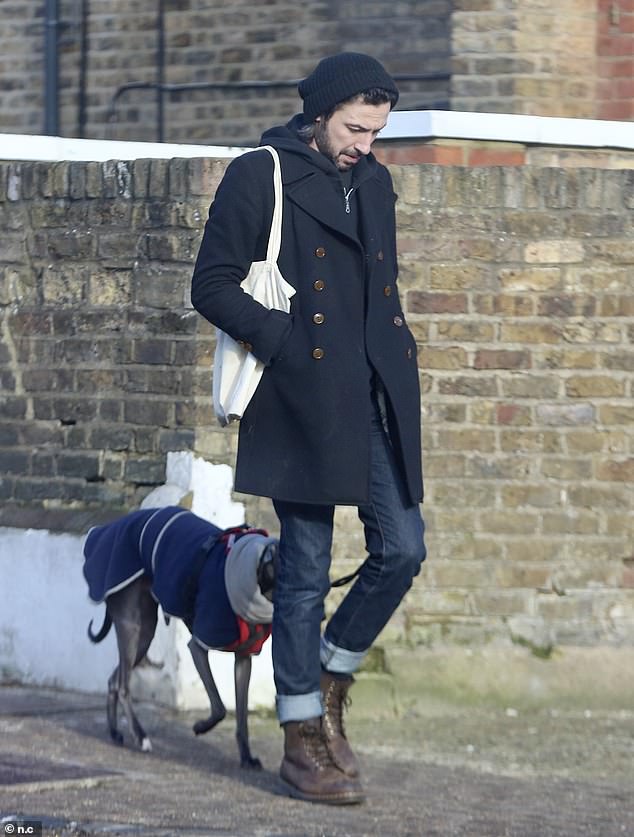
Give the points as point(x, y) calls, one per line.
point(394, 537)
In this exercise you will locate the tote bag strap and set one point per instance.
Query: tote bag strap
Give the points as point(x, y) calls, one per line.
point(275, 235)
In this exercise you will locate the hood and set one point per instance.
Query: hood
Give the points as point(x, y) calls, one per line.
point(241, 579)
point(284, 138)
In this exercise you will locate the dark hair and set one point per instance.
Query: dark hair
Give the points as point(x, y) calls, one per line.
point(373, 96)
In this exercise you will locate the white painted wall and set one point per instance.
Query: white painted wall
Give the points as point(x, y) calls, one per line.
point(46, 610)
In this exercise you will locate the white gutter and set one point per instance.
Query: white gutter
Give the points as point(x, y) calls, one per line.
point(43, 148)
point(506, 127)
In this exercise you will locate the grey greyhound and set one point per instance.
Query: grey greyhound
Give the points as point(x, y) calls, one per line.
point(219, 582)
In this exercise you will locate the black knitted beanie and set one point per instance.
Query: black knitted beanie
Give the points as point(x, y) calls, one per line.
point(341, 77)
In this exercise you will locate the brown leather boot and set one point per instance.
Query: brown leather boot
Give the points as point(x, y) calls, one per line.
point(308, 770)
point(334, 694)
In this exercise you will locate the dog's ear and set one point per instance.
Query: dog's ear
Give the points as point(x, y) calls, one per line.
point(266, 570)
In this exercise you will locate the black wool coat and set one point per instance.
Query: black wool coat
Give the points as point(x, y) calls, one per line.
point(305, 435)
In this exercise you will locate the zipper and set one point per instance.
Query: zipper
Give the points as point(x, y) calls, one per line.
point(346, 196)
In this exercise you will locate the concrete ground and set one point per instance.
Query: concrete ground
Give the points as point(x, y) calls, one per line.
point(483, 772)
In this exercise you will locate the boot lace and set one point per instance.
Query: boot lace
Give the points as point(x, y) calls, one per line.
point(315, 745)
point(336, 700)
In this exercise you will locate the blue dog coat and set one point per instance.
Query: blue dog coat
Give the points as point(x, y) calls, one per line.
point(165, 545)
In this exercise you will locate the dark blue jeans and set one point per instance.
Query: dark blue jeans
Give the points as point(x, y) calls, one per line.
point(394, 538)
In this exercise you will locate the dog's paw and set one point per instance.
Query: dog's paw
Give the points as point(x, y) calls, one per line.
point(116, 737)
point(251, 763)
point(201, 727)
point(146, 745)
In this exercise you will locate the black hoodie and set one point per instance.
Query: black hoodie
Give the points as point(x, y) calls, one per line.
point(285, 138)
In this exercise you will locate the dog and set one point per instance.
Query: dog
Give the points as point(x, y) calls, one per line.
point(219, 582)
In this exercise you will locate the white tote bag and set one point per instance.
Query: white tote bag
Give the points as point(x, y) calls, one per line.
point(236, 371)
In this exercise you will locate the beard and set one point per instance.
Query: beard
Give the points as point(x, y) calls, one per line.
point(325, 147)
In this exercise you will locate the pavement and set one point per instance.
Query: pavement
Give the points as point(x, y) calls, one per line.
point(482, 771)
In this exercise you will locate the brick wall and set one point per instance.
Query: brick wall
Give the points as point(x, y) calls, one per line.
point(571, 58)
point(98, 349)
point(518, 285)
point(236, 41)
point(462, 152)
point(615, 51)
point(520, 289)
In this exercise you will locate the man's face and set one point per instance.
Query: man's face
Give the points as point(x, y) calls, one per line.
point(349, 133)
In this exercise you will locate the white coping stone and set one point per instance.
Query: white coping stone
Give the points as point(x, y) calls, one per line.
point(507, 127)
point(53, 149)
point(404, 124)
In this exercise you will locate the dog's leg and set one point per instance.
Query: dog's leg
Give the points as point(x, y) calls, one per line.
point(134, 616)
point(112, 706)
point(148, 608)
point(242, 678)
point(201, 660)
point(130, 634)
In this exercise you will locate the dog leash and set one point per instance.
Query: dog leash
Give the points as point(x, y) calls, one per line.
point(229, 537)
point(346, 579)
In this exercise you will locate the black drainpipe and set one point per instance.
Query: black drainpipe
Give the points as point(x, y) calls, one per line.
point(82, 101)
point(160, 72)
point(51, 69)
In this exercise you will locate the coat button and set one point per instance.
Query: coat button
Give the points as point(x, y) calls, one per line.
point(246, 346)
point(387, 290)
point(319, 284)
point(320, 252)
point(318, 354)
point(398, 321)
point(379, 256)
point(318, 319)
point(409, 354)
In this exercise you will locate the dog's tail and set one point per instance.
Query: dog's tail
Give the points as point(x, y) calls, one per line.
point(103, 631)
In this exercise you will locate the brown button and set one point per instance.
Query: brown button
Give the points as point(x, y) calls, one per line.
point(379, 256)
point(318, 319)
point(320, 252)
point(319, 284)
point(318, 354)
point(387, 290)
point(246, 346)
point(398, 321)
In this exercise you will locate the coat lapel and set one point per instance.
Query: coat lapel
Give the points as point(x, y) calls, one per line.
point(318, 194)
point(325, 205)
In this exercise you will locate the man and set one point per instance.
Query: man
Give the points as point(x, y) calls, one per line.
point(336, 416)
